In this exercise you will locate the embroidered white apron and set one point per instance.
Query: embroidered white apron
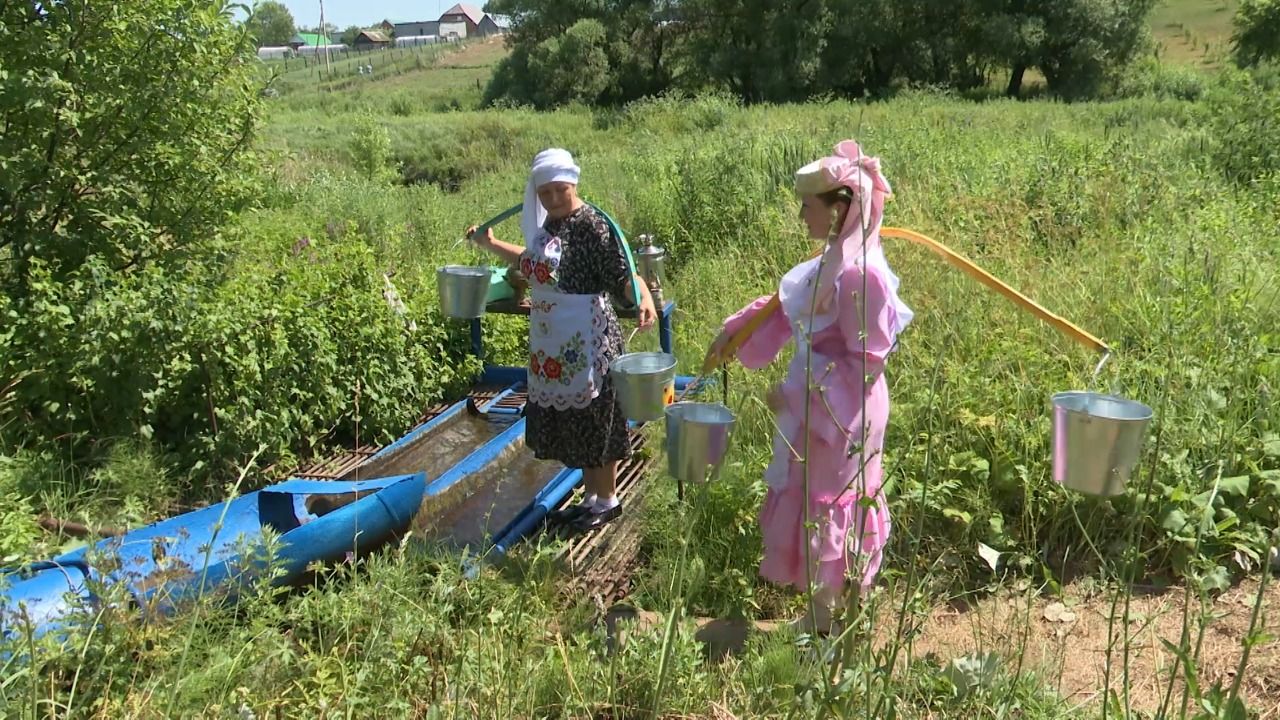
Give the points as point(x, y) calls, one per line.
point(565, 332)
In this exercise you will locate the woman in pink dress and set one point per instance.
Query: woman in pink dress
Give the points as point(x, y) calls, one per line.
point(843, 311)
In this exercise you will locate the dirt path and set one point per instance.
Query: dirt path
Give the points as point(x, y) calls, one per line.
point(1065, 641)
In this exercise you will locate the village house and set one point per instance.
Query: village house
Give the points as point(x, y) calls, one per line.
point(416, 29)
point(458, 22)
point(371, 40)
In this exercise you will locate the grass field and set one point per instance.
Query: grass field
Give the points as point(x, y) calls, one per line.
point(1118, 215)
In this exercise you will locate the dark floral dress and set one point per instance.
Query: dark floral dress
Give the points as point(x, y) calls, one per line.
point(596, 435)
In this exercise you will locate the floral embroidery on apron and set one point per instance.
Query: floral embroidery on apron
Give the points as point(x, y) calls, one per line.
point(565, 333)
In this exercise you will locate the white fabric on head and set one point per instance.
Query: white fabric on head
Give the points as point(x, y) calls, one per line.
point(551, 165)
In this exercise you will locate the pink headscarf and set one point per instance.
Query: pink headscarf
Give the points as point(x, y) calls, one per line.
point(857, 244)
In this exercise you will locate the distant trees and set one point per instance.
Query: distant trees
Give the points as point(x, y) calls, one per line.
point(782, 50)
point(580, 50)
point(1257, 32)
point(349, 35)
point(271, 24)
point(1076, 44)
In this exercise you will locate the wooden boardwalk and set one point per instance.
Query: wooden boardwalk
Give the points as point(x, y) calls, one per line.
point(601, 563)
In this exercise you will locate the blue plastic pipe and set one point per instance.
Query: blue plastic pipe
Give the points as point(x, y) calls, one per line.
point(555, 492)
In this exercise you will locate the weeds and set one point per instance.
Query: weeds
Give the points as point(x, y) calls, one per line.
point(1104, 212)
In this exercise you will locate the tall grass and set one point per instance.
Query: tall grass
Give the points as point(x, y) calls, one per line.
point(1112, 214)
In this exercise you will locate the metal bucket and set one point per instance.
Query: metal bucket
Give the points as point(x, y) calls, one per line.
point(1097, 441)
point(697, 439)
point(463, 290)
point(646, 383)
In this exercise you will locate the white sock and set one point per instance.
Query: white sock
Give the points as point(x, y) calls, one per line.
point(604, 504)
point(589, 500)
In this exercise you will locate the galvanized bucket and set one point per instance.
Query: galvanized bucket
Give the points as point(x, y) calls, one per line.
point(463, 291)
point(1097, 441)
point(646, 383)
point(697, 439)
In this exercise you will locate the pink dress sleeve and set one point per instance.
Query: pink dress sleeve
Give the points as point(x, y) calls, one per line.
point(864, 304)
point(767, 341)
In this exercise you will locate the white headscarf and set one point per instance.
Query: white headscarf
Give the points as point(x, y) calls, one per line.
point(552, 165)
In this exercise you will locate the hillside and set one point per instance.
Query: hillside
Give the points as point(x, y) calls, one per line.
point(1193, 32)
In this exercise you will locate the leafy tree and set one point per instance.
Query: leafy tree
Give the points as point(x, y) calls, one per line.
point(1076, 44)
point(350, 34)
point(873, 44)
point(127, 132)
point(126, 147)
point(637, 48)
point(573, 67)
point(533, 21)
point(1257, 32)
point(757, 49)
point(783, 50)
point(271, 24)
point(570, 67)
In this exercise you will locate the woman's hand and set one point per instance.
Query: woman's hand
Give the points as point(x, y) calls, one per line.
point(648, 314)
point(484, 240)
point(715, 354)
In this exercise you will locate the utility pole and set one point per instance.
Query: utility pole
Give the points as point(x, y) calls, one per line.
point(324, 34)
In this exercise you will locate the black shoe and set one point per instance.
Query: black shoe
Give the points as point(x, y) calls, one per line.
point(593, 520)
point(568, 514)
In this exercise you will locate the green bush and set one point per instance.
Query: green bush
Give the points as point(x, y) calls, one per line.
point(108, 161)
point(1256, 35)
point(1152, 78)
point(18, 529)
point(1245, 113)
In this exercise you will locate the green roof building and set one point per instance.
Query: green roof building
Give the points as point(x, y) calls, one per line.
point(309, 40)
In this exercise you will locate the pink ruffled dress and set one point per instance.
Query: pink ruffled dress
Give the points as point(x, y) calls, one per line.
point(844, 436)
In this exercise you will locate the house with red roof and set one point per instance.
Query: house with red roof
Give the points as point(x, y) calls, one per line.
point(459, 21)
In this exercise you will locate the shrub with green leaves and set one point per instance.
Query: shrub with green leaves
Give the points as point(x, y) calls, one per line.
point(1245, 111)
point(127, 128)
point(1256, 35)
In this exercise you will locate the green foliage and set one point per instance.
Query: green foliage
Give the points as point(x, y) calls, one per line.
point(573, 66)
point(121, 314)
point(18, 528)
point(1246, 119)
point(349, 35)
point(1256, 37)
point(110, 160)
point(370, 149)
point(1078, 45)
point(270, 24)
point(756, 50)
point(800, 48)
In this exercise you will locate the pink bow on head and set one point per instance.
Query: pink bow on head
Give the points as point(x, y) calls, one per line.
point(849, 161)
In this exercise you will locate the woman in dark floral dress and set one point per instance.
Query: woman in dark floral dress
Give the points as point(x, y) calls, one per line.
point(573, 263)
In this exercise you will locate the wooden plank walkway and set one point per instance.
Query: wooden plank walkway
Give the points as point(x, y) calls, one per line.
point(601, 563)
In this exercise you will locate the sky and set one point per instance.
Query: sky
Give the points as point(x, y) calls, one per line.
point(344, 13)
